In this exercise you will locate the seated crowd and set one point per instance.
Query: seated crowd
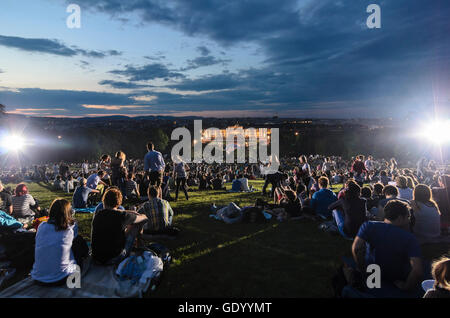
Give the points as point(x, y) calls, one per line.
point(387, 212)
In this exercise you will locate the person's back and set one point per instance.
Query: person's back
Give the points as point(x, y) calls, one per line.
point(54, 259)
point(427, 221)
point(153, 161)
point(159, 214)
point(354, 214)
point(131, 187)
point(405, 193)
point(80, 197)
point(217, 183)
point(108, 233)
point(244, 184)
point(236, 185)
point(321, 200)
point(390, 247)
point(22, 206)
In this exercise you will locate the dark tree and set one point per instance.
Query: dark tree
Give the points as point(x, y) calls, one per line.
point(2, 109)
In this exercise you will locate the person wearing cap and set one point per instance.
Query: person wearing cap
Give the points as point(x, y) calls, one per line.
point(81, 194)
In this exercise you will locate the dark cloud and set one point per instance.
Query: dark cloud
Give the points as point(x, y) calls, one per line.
point(202, 61)
point(319, 55)
point(204, 51)
point(210, 82)
point(147, 72)
point(122, 85)
point(51, 47)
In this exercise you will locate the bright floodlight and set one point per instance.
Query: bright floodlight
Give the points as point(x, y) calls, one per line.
point(13, 143)
point(437, 131)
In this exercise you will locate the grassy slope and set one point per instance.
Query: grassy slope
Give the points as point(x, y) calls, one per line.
point(213, 259)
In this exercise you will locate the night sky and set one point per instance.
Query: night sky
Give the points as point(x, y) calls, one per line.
point(225, 58)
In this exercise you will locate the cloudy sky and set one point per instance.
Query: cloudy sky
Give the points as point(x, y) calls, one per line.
point(225, 58)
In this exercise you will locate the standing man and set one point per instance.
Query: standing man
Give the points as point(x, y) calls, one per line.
point(154, 165)
point(85, 169)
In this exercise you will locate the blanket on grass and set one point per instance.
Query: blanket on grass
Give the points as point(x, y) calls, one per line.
point(96, 282)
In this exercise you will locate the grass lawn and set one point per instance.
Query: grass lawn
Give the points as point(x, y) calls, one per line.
point(214, 259)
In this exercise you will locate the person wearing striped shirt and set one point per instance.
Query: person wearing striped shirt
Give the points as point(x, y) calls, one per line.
point(24, 205)
point(158, 211)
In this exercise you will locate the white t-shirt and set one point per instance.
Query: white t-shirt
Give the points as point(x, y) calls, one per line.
point(244, 184)
point(53, 258)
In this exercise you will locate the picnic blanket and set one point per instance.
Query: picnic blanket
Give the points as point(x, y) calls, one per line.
point(97, 282)
point(86, 210)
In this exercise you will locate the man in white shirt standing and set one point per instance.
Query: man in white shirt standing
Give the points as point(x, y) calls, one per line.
point(85, 169)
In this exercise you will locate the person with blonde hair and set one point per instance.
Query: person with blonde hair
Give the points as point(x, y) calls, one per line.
point(441, 274)
point(426, 214)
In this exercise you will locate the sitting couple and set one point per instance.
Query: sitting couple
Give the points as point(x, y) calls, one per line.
point(114, 233)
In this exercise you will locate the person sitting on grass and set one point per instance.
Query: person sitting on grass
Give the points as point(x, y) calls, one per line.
point(391, 246)
point(114, 231)
point(236, 185)
point(25, 207)
point(132, 188)
point(95, 180)
point(244, 183)
point(59, 184)
point(404, 192)
point(159, 214)
point(377, 195)
point(441, 195)
point(349, 212)
point(391, 193)
point(55, 253)
point(217, 183)
point(322, 199)
point(427, 217)
point(5, 200)
point(441, 275)
point(81, 195)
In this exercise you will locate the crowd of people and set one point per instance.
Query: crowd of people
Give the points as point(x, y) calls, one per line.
point(387, 211)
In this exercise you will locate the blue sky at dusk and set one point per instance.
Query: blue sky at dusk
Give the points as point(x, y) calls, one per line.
point(225, 58)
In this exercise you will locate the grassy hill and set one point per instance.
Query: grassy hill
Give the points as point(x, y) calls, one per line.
point(214, 259)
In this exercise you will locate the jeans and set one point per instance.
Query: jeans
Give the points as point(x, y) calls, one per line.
point(180, 182)
point(339, 219)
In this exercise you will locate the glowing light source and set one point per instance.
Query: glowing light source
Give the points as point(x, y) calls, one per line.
point(12, 142)
point(437, 132)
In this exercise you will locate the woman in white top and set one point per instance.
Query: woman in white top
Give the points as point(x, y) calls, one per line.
point(426, 213)
point(54, 258)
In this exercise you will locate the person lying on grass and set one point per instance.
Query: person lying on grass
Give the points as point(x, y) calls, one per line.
point(114, 231)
